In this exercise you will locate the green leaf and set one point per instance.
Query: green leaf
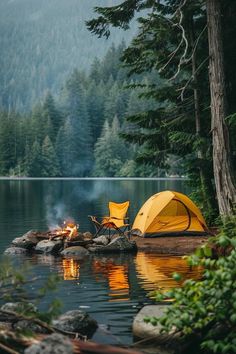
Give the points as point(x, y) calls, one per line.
point(176, 276)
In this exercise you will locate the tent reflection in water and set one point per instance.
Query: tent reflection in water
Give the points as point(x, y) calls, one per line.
point(169, 213)
point(116, 275)
point(156, 271)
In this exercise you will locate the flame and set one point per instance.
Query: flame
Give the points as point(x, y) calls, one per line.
point(69, 229)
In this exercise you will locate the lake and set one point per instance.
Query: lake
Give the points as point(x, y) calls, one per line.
point(110, 288)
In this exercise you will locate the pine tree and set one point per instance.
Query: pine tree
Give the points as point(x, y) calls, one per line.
point(52, 116)
point(34, 160)
point(77, 129)
point(95, 108)
point(8, 142)
point(95, 71)
point(50, 164)
point(110, 151)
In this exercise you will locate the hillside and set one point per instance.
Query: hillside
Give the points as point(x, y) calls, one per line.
point(41, 43)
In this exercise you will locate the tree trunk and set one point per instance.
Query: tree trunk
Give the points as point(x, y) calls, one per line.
point(225, 189)
point(207, 189)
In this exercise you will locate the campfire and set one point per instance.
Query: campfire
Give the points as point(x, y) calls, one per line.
point(68, 230)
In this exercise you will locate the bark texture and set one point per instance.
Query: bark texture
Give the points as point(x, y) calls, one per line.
point(225, 189)
point(207, 189)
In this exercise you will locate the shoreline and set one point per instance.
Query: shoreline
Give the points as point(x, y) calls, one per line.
point(170, 245)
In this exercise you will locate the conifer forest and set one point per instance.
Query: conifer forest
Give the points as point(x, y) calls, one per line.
point(139, 102)
point(106, 105)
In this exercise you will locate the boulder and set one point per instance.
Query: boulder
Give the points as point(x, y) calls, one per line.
point(162, 342)
point(48, 247)
point(75, 252)
point(76, 321)
point(19, 307)
point(53, 344)
point(142, 329)
point(118, 244)
point(95, 248)
point(15, 250)
point(28, 240)
point(24, 325)
point(101, 240)
point(5, 326)
point(87, 235)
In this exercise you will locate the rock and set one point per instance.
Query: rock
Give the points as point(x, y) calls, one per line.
point(79, 237)
point(53, 344)
point(142, 329)
point(118, 244)
point(19, 307)
point(24, 325)
point(47, 246)
point(167, 342)
point(15, 250)
point(87, 235)
point(5, 326)
point(76, 321)
point(75, 252)
point(28, 240)
point(95, 248)
point(101, 240)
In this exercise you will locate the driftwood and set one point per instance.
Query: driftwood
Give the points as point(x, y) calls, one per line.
point(14, 317)
point(10, 343)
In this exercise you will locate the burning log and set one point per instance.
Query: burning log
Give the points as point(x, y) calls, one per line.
point(68, 231)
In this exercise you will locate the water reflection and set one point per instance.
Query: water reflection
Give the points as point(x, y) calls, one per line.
point(116, 276)
point(70, 269)
point(155, 272)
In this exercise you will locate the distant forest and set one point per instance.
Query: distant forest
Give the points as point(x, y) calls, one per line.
point(62, 112)
point(42, 42)
point(79, 132)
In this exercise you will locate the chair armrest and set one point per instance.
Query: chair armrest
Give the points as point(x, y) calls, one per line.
point(97, 217)
point(113, 217)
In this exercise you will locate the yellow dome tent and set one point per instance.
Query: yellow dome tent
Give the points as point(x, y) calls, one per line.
point(169, 213)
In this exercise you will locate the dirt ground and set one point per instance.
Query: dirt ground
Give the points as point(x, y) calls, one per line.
point(176, 245)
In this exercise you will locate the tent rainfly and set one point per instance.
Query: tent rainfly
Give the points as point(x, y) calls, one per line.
point(169, 213)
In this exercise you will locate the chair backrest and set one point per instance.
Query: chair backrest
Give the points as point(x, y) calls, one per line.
point(118, 210)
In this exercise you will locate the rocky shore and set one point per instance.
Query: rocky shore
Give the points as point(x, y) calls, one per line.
point(84, 244)
point(77, 321)
point(78, 247)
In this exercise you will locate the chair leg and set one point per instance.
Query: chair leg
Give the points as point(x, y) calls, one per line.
point(98, 231)
point(119, 230)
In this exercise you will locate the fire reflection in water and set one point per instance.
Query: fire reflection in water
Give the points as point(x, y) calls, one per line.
point(116, 276)
point(70, 269)
point(156, 272)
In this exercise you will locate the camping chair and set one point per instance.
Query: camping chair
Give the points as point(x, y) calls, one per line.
point(117, 219)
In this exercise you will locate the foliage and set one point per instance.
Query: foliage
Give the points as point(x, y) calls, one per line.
point(111, 152)
point(41, 45)
point(61, 135)
point(205, 309)
point(179, 123)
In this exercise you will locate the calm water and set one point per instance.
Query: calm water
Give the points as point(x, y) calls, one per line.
point(110, 288)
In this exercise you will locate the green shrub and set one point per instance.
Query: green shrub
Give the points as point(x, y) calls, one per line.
point(206, 309)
